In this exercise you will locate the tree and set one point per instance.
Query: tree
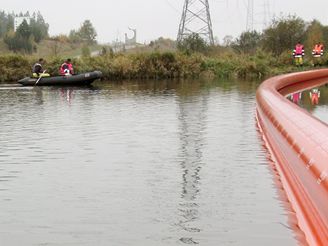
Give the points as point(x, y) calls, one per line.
point(87, 32)
point(314, 34)
point(55, 48)
point(193, 43)
point(283, 34)
point(86, 51)
point(3, 20)
point(24, 30)
point(6, 23)
point(39, 27)
point(26, 34)
point(22, 40)
point(248, 42)
point(9, 39)
point(74, 37)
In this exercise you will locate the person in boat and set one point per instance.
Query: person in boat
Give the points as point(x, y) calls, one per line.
point(315, 95)
point(298, 54)
point(317, 54)
point(66, 69)
point(38, 69)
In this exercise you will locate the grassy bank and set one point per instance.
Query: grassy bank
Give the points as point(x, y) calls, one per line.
point(157, 65)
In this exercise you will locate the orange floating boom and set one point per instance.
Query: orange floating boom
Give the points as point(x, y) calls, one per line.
point(298, 143)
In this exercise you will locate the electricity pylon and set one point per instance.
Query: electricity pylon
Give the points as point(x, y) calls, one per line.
point(250, 16)
point(196, 19)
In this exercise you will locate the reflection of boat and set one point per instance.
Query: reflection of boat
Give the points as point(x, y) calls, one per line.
point(79, 79)
point(66, 94)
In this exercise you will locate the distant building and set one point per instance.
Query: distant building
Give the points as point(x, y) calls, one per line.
point(19, 20)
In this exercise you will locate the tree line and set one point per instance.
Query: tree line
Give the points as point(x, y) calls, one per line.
point(281, 36)
point(28, 35)
point(279, 39)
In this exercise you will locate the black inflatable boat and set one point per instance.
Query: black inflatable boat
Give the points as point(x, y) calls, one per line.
point(79, 79)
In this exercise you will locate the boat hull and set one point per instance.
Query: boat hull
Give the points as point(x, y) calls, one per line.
point(77, 80)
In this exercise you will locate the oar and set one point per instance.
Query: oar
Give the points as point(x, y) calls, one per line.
point(39, 77)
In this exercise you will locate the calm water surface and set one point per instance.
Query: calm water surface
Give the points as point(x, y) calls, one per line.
point(148, 163)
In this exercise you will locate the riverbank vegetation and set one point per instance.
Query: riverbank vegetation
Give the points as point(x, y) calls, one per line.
point(154, 65)
point(252, 55)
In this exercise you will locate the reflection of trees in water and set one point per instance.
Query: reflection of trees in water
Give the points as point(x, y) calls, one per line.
point(192, 119)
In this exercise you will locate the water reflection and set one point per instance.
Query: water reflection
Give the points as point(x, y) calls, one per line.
point(314, 95)
point(296, 97)
point(38, 92)
point(316, 102)
point(66, 94)
point(192, 115)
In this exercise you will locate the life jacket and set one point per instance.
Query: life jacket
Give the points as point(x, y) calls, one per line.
point(298, 51)
point(70, 68)
point(37, 68)
point(66, 69)
point(318, 50)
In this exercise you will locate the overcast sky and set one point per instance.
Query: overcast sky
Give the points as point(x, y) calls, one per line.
point(157, 18)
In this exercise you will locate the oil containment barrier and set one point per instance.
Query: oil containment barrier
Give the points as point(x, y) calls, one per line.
point(298, 146)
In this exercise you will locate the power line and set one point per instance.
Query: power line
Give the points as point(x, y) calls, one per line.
point(172, 6)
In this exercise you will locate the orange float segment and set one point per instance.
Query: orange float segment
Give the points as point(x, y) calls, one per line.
point(298, 144)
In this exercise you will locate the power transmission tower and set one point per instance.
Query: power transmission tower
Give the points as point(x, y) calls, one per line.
point(250, 16)
point(196, 19)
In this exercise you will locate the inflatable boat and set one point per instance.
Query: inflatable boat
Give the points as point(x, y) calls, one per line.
point(78, 79)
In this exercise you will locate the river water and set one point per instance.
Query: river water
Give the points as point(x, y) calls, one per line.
point(137, 163)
